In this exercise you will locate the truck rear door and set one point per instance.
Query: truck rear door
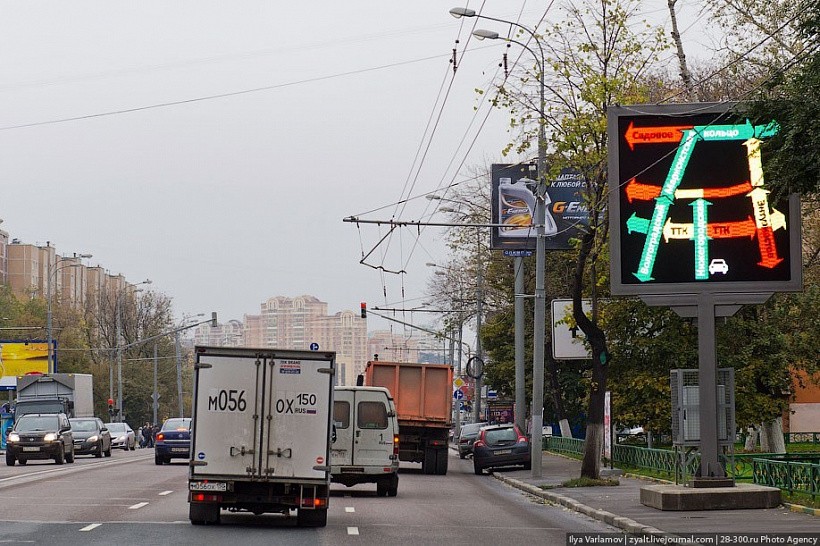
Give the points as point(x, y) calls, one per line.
point(262, 414)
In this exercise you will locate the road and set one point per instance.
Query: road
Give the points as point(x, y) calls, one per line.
point(127, 499)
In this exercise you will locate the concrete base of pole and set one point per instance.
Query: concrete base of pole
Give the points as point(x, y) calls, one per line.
point(679, 497)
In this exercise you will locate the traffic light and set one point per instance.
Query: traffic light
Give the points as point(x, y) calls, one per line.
point(364, 309)
point(110, 406)
point(213, 319)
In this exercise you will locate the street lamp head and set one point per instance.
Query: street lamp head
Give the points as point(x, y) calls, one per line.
point(481, 34)
point(431, 264)
point(85, 256)
point(432, 197)
point(458, 13)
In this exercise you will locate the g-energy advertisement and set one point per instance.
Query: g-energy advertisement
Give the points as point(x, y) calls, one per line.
point(513, 206)
point(690, 206)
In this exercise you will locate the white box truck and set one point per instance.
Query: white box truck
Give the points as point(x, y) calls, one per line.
point(69, 393)
point(261, 433)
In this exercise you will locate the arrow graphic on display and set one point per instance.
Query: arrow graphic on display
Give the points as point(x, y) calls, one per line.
point(644, 192)
point(699, 215)
point(653, 135)
point(755, 162)
point(764, 223)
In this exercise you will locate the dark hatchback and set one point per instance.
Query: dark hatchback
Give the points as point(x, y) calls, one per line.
point(173, 441)
point(467, 436)
point(499, 446)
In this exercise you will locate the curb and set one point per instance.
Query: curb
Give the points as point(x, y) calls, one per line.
point(621, 522)
point(802, 509)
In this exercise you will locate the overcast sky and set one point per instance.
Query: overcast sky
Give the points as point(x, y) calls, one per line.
point(215, 147)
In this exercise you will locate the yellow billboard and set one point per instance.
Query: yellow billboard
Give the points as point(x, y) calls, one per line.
point(22, 357)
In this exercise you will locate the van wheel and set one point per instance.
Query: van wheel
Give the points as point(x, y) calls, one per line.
point(311, 518)
point(393, 486)
point(204, 514)
point(10, 459)
point(381, 488)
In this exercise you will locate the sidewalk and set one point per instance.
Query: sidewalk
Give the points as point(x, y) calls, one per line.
point(620, 505)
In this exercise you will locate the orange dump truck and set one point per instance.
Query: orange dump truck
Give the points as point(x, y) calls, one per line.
point(423, 394)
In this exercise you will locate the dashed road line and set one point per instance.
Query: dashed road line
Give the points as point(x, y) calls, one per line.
point(352, 530)
point(91, 527)
point(350, 509)
point(165, 493)
point(137, 506)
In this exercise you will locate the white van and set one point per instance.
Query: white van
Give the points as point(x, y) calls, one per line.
point(365, 446)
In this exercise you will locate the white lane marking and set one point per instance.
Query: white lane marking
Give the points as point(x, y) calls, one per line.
point(165, 493)
point(352, 530)
point(91, 527)
point(350, 509)
point(138, 506)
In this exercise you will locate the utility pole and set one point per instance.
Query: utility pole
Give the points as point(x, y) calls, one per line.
point(179, 372)
point(520, 393)
point(479, 356)
point(155, 395)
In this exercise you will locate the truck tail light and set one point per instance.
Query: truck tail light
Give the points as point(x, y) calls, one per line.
point(205, 497)
point(314, 502)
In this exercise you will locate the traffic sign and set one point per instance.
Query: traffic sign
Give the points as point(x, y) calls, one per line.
point(314, 346)
point(457, 394)
point(458, 382)
point(491, 394)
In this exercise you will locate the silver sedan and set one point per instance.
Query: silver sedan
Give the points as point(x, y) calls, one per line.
point(122, 436)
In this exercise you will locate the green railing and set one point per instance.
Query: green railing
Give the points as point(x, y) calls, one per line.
point(802, 437)
point(788, 475)
point(803, 475)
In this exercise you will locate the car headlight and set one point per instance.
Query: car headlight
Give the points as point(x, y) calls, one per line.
point(13, 437)
point(93, 439)
point(120, 438)
point(50, 437)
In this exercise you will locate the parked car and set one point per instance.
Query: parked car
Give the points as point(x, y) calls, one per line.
point(499, 446)
point(469, 432)
point(40, 436)
point(91, 437)
point(173, 441)
point(122, 436)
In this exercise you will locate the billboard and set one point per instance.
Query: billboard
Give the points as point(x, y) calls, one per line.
point(690, 207)
point(21, 358)
point(513, 207)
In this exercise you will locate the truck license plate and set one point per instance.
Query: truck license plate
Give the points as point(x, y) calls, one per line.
point(210, 486)
point(35, 448)
point(503, 452)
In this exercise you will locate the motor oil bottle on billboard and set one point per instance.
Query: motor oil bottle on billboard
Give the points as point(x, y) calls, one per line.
point(516, 206)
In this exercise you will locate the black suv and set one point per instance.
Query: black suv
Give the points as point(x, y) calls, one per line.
point(40, 436)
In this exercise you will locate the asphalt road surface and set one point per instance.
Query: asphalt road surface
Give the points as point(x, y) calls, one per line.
point(127, 499)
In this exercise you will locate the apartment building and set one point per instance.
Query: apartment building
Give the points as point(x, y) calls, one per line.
point(4, 256)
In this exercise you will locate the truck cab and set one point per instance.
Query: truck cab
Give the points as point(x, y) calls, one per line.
point(365, 448)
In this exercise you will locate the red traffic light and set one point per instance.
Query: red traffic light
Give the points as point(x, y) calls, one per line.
point(364, 309)
point(110, 401)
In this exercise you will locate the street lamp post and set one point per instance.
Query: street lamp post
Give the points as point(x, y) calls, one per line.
point(49, 314)
point(539, 319)
point(120, 293)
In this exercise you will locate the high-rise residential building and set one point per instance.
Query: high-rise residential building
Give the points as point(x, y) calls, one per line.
point(25, 269)
point(298, 323)
point(73, 281)
point(392, 347)
point(4, 256)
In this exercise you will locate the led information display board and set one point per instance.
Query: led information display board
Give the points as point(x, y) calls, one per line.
point(690, 208)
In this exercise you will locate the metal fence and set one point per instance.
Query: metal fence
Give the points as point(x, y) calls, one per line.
point(790, 472)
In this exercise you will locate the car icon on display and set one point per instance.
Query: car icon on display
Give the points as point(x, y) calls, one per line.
point(718, 265)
